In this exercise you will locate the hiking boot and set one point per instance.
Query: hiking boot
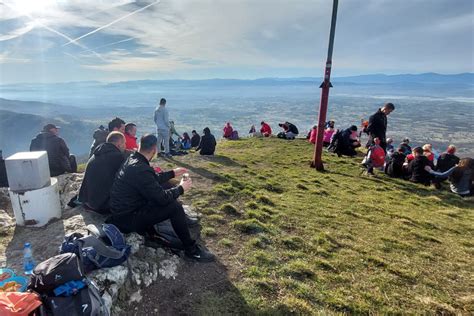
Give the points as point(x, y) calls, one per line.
point(200, 254)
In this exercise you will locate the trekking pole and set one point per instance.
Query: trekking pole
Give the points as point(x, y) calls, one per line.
point(323, 106)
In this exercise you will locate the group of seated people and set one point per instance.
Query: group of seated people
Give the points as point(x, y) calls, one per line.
point(133, 195)
point(420, 165)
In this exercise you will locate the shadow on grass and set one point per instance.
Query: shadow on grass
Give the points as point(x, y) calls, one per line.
point(206, 173)
point(447, 198)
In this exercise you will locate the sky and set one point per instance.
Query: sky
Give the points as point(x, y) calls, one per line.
point(44, 41)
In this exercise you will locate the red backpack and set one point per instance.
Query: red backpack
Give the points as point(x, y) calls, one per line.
point(377, 156)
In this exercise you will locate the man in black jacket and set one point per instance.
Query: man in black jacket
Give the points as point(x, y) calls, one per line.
point(378, 125)
point(207, 145)
point(138, 200)
point(60, 161)
point(100, 173)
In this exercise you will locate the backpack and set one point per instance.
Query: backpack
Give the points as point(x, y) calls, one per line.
point(87, 302)
point(167, 236)
point(54, 272)
point(104, 247)
point(57, 271)
point(377, 156)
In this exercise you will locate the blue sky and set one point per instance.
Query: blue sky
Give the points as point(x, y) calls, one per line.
point(77, 40)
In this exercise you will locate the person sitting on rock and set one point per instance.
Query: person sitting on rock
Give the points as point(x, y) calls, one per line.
point(60, 160)
point(138, 200)
point(100, 173)
point(131, 137)
point(100, 135)
point(195, 139)
point(265, 129)
point(208, 143)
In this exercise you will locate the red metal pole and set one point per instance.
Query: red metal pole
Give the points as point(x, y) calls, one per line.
point(323, 106)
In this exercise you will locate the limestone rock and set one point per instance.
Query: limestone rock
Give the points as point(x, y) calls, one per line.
point(120, 285)
point(69, 185)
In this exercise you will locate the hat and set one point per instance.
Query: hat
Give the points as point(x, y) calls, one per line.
point(50, 126)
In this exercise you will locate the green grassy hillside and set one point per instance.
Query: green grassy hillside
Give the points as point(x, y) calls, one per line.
point(298, 241)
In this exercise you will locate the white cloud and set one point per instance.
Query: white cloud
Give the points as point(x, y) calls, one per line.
point(6, 58)
point(18, 32)
point(186, 34)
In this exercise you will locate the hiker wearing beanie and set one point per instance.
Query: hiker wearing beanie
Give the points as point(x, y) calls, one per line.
point(378, 125)
point(60, 161)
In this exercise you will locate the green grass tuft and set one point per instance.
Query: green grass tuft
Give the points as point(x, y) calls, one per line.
point(250, 226)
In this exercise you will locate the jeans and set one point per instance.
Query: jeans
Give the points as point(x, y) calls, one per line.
point(143, 220)
point(164, 137)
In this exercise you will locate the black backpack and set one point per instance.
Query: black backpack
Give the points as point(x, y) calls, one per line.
point(87, 302)
point(54, 272)
point(57, 271)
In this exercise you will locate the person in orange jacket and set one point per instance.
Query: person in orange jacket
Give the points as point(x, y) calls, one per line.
point(266, 130)
point(131, 136)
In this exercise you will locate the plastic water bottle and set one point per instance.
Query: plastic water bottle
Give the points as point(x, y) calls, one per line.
point(28, 261)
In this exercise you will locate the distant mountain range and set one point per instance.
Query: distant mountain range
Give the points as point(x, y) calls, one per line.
point(17, 130)
point(424, 78)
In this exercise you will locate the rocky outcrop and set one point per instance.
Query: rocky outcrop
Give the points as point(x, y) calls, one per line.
point(120, 285)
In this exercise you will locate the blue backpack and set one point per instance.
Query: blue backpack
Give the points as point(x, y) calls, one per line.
point(104, 247)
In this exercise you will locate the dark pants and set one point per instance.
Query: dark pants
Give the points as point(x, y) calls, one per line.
point(143, 220)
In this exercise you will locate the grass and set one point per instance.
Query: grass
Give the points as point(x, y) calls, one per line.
point(331, 242)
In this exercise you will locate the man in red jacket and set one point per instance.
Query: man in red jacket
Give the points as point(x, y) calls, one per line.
point(266, 130)
point(131, 137)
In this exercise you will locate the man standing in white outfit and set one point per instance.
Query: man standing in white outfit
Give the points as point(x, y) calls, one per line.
point(163, 127)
